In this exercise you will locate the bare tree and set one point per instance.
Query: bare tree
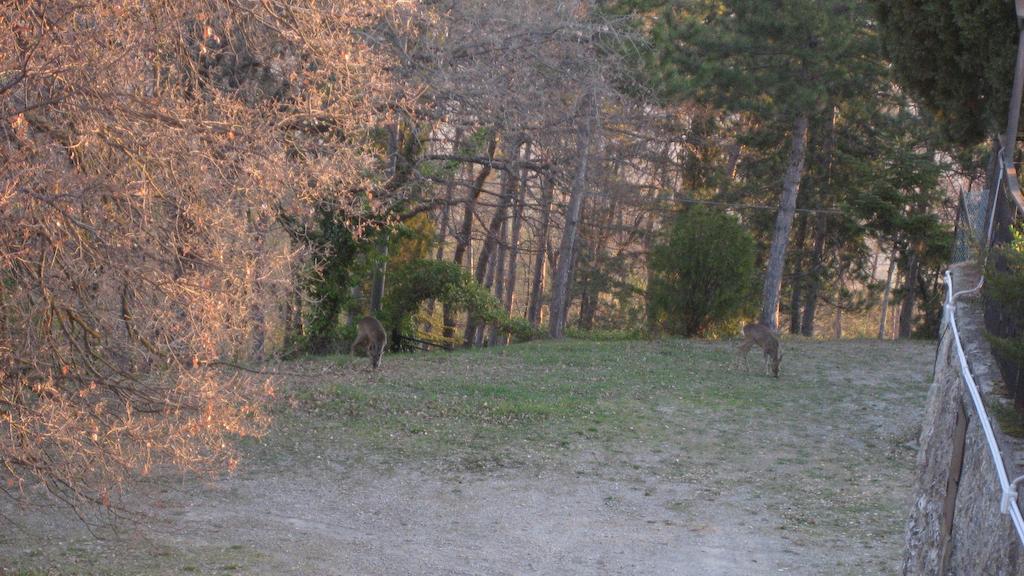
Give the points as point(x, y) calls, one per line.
point(541, 248)
point(146, 151)
point(560, 288)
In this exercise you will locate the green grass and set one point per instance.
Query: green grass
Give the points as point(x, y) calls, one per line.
point(821, 450)
point(551, 395)
point(539, 391)
point(825, 441)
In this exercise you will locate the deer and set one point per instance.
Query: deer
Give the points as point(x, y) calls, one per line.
point(370, 333)
point(764, 338)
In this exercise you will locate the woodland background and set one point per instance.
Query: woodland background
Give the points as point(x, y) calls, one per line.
point(190, 188)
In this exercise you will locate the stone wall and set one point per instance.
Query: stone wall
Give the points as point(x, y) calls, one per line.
point(955, 525)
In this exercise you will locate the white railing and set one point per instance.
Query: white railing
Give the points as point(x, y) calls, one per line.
point(1008, 502)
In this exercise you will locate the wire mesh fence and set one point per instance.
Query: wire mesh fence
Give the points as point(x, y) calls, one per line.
point(1001, 215)
point(971, 228)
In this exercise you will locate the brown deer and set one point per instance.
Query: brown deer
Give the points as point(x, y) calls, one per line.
point(370, 333)
point(763, 337)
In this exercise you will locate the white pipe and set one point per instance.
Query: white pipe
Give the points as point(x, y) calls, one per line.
point(1008, 501)
point(962, 292)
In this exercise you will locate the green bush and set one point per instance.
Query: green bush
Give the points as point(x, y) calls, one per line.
point(414, 282)
point(702, 273)
point(522, 330)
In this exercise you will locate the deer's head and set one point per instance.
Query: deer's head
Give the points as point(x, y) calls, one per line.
point(376, 350)
point(776, 362)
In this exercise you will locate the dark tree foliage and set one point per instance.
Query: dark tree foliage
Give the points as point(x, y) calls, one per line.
point(334, 259)
point(343, 240)
point(956, 58)
point(703, 273)
point(772, 59)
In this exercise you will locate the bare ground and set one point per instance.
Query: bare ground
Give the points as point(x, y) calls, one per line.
point(667, 460)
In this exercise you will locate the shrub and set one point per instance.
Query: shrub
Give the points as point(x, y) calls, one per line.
point(522, 330)
point(140, 265)
point(414, 282)
point(701, 274)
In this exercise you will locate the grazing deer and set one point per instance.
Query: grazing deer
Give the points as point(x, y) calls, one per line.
point(768, 342)
point(370, 332)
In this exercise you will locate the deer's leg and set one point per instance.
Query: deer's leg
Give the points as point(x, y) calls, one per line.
point(744, 351)
point(360, 339)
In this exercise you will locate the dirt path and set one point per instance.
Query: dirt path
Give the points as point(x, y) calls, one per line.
point(505, 523)
point(815, 481)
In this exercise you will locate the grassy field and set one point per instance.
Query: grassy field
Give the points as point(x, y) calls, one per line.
point(709, 469)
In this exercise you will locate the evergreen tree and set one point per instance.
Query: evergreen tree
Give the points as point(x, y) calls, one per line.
point(702, 274)
point(782, 62)
point(956, 57)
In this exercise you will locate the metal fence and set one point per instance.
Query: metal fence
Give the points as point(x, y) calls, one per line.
point(971, 225)
point(1002, 212)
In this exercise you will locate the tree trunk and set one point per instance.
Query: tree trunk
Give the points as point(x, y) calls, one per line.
point(512, 278)
point(465, 231)
point(563, 272)
point(587, 296)
point(909, 295)
point(442, 230)
point(885, 296)
point(462, 239)
point(381, 268)
point(572, 280)
point(588, 309)
point(499, 267)
point(293, 324)
point(256, 316)
point(492, 264)
point(783, 223)
point(837, 321)
point(814, 283)
point(379, 277)
point(508, 189)
point(517, 226)
point(541, 243)
point(732, 160)
point(446, 210)
point(499, 276)
point(513, 259)
point(484, 266)
point(798, 280)
point(293, 311)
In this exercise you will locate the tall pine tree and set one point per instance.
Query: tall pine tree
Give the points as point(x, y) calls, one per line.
point(956, 58)
point(784, 62)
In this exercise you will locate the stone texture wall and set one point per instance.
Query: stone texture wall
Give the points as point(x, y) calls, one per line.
point(955, 525)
